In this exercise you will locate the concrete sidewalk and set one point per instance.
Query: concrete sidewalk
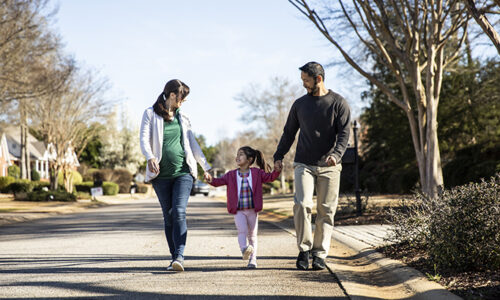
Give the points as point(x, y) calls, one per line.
point(363, 272)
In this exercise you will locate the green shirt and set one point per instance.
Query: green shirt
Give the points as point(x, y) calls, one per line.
point(173, 159)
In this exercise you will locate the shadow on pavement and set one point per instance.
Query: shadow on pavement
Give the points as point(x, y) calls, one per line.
point(112, 293)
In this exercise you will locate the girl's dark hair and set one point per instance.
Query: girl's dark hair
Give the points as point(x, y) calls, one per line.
point(179, 88)
point(256, 157)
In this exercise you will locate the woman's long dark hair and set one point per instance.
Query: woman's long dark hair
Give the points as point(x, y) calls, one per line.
point(256, 157)
point(179, 88)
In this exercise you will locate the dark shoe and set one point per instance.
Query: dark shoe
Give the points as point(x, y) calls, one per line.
point(318, 263)
point(170, 268)
point(303, 260)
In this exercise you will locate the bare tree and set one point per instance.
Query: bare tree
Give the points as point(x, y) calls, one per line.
point(26, 45)
point(409, 38)
point(65, 120)
point(479, 14)
point(119, 145)
point(268, 107)
point(226, 153)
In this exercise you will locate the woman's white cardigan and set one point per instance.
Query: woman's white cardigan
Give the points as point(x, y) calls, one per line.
point(152, 141)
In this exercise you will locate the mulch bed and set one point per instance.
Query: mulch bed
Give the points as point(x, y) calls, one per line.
point(365, 219)
point(468, 285)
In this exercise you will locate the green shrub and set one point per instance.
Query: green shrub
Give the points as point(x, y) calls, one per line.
point(464, 230)
point(35, 176)
point(276, 184)
point(123, 178)
point(77, 178)
point(5, 182)
point(84, 186)
point(459, 229)
point(51, 196)
point(14, 171)
point(21, 186)
point(109, 188)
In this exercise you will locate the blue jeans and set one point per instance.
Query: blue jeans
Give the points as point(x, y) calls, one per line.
point(173, 195)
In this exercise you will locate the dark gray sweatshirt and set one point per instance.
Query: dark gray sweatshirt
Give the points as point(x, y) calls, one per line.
point(324, 124)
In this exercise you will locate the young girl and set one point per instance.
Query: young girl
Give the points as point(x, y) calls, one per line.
point(244, 197)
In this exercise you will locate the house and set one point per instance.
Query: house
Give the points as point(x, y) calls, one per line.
point(5, 161)
point(40, 154)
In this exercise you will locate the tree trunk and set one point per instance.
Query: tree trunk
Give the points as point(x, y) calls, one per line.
point(68, 181)
point(53, 171)
point(284, 188)
point(434, 173)
point(25, 155)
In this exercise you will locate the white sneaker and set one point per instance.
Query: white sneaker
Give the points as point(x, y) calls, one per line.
point(247, 252)
point(177, 266)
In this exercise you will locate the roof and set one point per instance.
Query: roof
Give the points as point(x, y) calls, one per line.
point(36, 148)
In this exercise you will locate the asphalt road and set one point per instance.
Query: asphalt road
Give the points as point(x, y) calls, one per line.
point(120, 252)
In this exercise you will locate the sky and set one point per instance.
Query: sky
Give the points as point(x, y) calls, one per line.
point(216, 47)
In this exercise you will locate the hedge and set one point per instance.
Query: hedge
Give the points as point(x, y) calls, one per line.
point(51, 196)
point(459, 229)
point(21, 186)
point(5, 181)
point(109, 188)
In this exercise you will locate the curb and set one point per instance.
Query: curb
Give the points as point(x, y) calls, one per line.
point(364, 273)
point(393, 279)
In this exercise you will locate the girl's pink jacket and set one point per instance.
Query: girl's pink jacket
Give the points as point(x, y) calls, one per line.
point(259, 176)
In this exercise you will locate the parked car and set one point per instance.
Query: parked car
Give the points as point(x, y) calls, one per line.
point(199, 187)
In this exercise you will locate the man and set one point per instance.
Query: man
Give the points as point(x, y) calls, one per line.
point(323, 118)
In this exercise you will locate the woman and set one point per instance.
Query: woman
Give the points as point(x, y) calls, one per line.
point(171, 150)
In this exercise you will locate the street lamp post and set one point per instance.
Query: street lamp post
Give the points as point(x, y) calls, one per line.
point(355, 127)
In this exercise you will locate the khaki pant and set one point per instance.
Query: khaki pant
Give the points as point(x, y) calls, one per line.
point(327, 183)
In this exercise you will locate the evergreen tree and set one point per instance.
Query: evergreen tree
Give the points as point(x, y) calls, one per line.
point(468, 130)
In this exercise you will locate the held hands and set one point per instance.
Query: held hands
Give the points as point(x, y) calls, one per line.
point(331, 161)
point(278, 165)
point(207, 176)
point(153, 166)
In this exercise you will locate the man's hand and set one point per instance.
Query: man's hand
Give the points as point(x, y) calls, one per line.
point(278, 165)
point(207, 176)
point(331, 161)
point(153, 166)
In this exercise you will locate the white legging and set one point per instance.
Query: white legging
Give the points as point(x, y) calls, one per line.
point(247, 224)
